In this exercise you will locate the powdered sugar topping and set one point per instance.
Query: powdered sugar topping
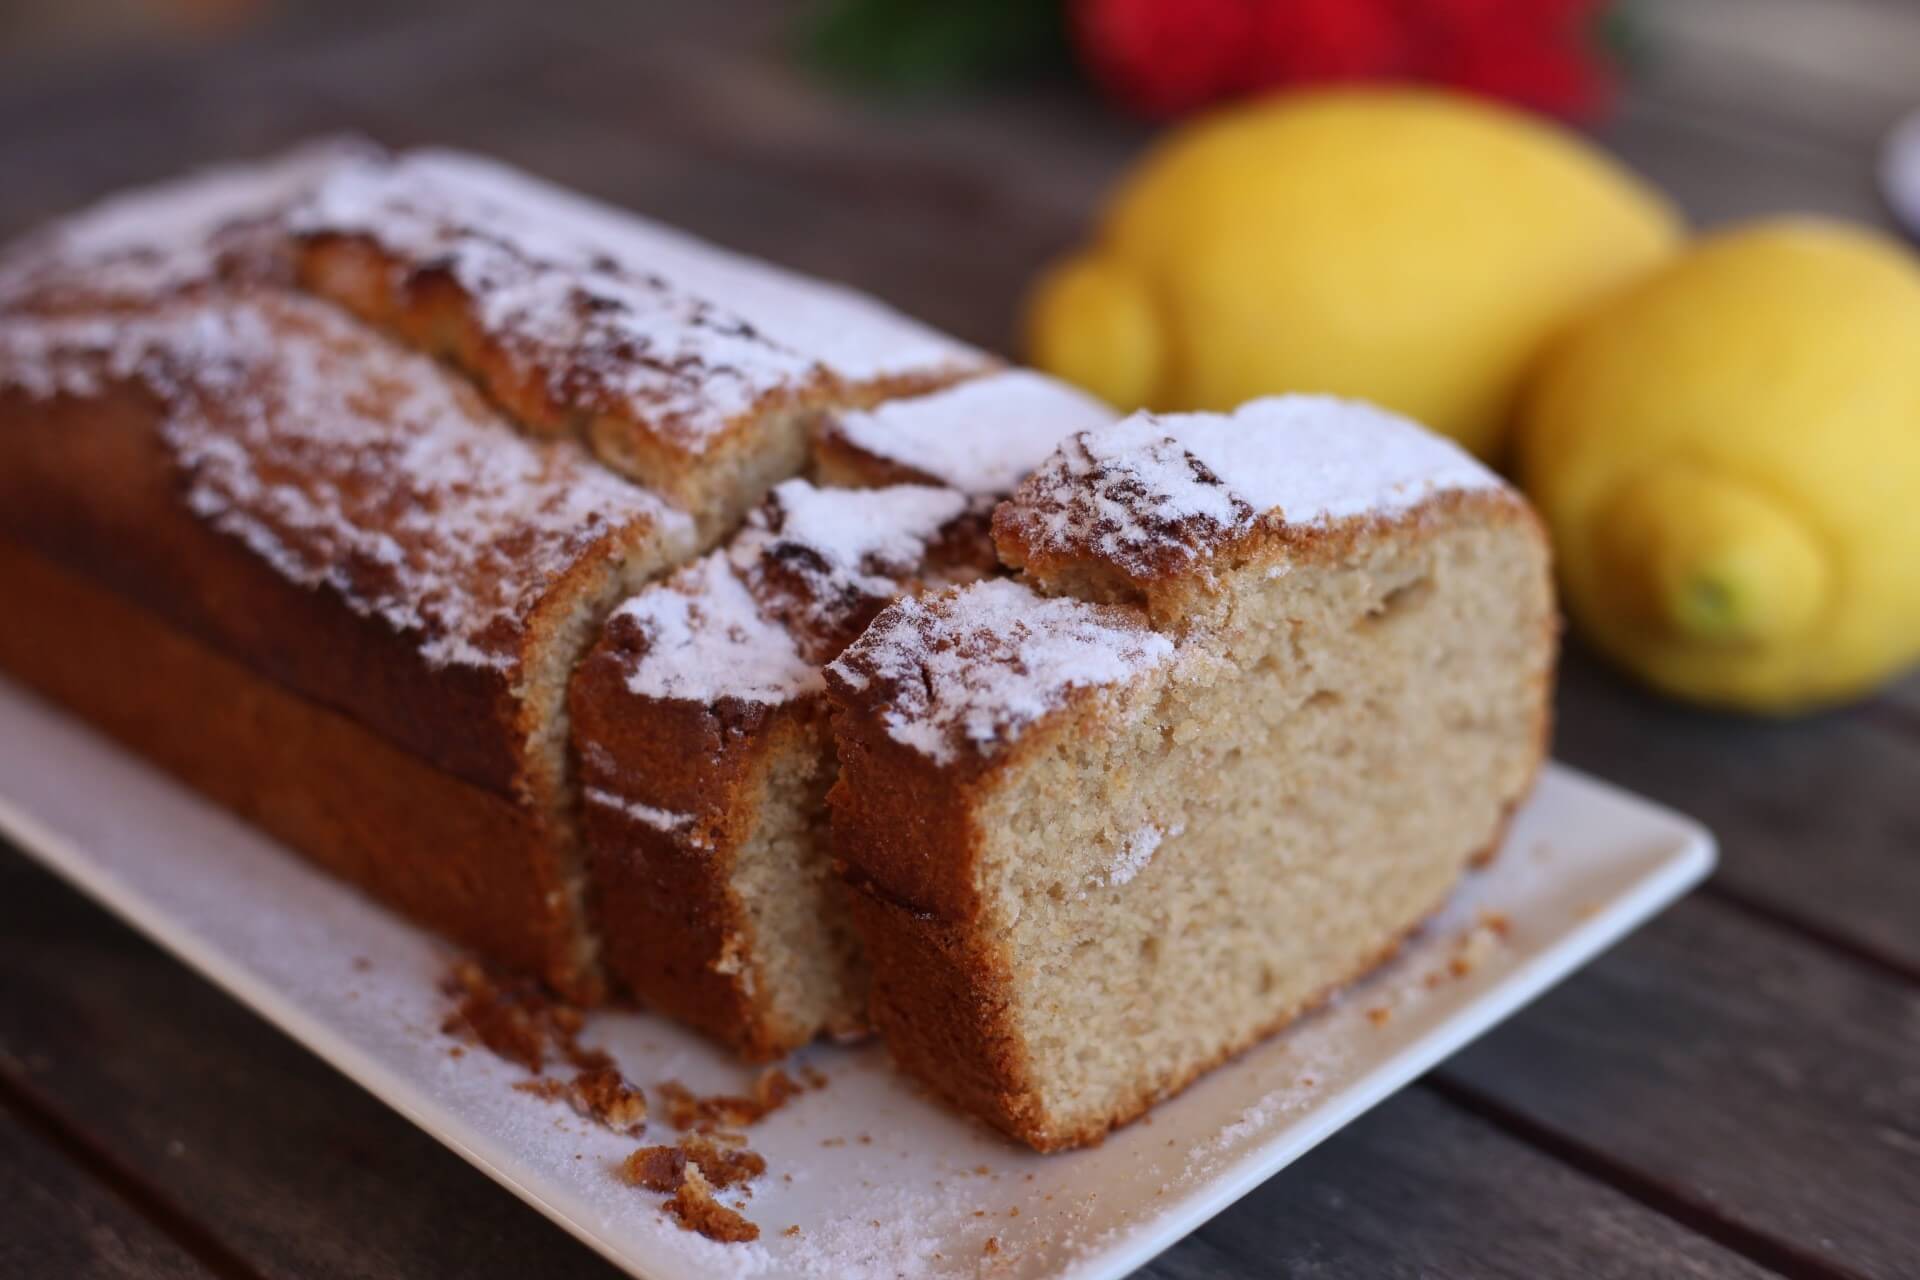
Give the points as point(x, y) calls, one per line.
point(142, 244)
point(350, 465)
point(979, 436)
point(824, 561)
point(599, 331)
point(703, 638)
point(619, 313)
point(754, 621)
point(1156, 492)
point(973, 668)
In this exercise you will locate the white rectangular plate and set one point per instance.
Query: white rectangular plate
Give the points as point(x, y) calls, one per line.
point(879, 1180)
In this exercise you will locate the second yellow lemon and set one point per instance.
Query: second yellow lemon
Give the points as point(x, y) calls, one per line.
point(1408, 247)
point(1728, 455)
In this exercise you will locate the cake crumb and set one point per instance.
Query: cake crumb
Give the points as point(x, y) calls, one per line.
point(601, 1095)
point(694, 1207)
point(659, 1169)
point(722, 1166)
point(792, 1231)
point(992, 1246)
point(1379, 1015)
point(772, 1090)
point(509, 1016)
point(664, 1168)
point(687, 1110)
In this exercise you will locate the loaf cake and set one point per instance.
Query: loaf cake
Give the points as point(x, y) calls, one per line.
point(700, 716)
point(341, 587)
point(396, 502)
point(1268, 684)
point(693, 370)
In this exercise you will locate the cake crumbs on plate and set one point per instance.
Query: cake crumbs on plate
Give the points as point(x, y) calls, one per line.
point(691, 1171)
point(600, 1094)
point(696, 1210)
point(685, 1109)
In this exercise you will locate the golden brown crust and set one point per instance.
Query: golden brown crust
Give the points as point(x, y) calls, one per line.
point(674, 929)
point(89, 485)
point(312, 777)
point(1177, 593)
point(906, 841)
point(350, 523)
point(596, 386)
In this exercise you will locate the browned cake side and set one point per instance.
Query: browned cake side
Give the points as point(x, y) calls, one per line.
point(706, 756)
point(675, 928)
point(345, 520)
point(313, 777)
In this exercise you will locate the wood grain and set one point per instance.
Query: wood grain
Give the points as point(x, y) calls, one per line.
point(283, 1162)
point(56, 1219)
point(1750, 1075)
point(1446, 1190)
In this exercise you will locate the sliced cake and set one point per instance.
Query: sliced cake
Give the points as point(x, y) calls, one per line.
point(385, 584)
point(695, 370)
point(702, 734)
point(1270, 684)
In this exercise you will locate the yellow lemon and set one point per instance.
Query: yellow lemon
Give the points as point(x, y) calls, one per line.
point(1409, 247)
point(1728, 454)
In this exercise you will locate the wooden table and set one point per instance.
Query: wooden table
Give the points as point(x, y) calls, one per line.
point(1734, 1091)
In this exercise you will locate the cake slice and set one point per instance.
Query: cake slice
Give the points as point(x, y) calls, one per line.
point(344, 594)
point(1270, 684)
point(695, 370)
point(701, 729)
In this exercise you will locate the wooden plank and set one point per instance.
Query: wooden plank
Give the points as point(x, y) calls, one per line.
point(285, 1163)
point(1725, 170)
point(1744, 1075)
point(1454, 1198)
point(1836, 72)
point(56, 1219)
point(298, 1172)
point(1817, 818)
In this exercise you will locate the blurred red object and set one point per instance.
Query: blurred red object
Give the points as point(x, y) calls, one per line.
point(1165, 57)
